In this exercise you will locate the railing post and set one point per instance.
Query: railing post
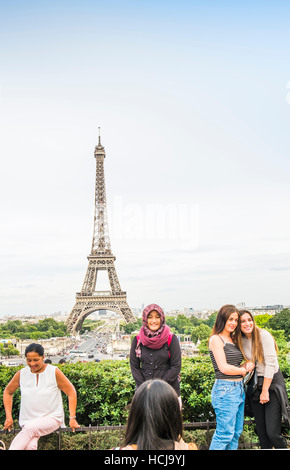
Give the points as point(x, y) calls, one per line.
point(120, 440)
point(207, 433)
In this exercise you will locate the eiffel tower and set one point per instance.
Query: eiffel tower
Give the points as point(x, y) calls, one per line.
point(101, 259)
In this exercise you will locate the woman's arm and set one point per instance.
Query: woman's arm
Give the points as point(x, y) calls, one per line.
point(271, 364)
point(174, 361)
point(67, 387)
point(135, 364)
point(270, 355)
point(8, 399)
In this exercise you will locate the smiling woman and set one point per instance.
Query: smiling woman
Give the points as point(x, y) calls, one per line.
point(154, 320)
point(41, 406)
point(228, 396)
point(155, 351)
point(268, 400)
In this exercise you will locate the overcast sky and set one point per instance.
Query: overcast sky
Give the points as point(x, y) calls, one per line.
point(193, 102)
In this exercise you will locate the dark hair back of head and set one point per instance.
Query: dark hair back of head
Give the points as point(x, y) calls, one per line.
point(155, 420)
point(35, 347)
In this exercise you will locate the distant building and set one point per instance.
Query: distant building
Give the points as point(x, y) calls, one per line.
point(268, 309)
point(52, 346)
point(121, 345)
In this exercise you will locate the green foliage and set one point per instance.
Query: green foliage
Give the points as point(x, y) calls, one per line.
point(108, 439)
point(6, 374)
point(128, 328)
point(201, 332)
point(211, 320)
point(90, 325)
point(100, 440)
point(281, 321)
point(105, 390)
point(279, 336)
point(8, 350)
point(47, 328)
point(261, 320)
point(197, 380)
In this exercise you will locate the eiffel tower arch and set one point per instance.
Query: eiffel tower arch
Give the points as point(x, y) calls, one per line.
point(101, 258)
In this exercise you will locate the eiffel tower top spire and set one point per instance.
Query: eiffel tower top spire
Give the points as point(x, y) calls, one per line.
point(101, 240)
point(99, 149)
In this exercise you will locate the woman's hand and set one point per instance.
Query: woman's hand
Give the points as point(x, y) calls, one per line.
point(73, 424)
point(8, 425)
point(249, 366)
point(264, 397)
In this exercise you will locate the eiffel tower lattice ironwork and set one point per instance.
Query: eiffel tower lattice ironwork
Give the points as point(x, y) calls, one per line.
point(101, 258)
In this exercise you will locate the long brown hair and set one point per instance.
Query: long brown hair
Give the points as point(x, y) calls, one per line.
point(257, 347)
point(222, 317)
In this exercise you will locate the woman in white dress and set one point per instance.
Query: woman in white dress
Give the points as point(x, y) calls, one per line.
point(41, 406)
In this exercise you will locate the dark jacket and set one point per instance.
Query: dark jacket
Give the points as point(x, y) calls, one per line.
point(156, 363)
point(279, 387)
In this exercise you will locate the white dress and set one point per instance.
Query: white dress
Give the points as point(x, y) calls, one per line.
point(40, 396)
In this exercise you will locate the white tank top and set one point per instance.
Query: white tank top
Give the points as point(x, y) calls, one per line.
point(40, 396)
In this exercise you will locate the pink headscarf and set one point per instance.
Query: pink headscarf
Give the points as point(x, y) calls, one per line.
point(149, 338)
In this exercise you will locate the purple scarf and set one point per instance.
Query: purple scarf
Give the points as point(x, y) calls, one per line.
point(152, 339)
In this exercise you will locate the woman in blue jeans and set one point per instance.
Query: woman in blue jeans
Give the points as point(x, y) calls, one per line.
point(228, 396)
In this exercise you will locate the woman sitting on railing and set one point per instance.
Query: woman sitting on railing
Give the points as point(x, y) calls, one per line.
point(41, 406)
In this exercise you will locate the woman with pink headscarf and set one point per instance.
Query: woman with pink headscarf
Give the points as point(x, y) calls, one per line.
point(155, 351)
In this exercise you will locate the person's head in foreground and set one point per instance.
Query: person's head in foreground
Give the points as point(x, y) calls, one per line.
point(155, 420)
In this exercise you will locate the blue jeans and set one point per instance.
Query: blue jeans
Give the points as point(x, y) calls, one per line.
point(228, 401)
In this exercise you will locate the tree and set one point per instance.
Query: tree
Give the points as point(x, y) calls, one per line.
point(130, 327)
point(211, 320)
point(200, 333)
point(183, 324)
point(281, 321)
point(43, 329)
point(12, 326)
point(262, 320)
point(8, 350)
point(50, 324)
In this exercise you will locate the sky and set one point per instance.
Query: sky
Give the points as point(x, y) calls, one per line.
point(193, 102)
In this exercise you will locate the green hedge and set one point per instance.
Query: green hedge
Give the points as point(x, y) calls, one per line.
point(105, 390)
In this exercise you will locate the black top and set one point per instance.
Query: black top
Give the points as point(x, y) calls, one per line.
point(234, 357)
point(156, 363)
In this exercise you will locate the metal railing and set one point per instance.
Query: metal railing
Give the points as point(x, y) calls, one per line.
point(206, 425)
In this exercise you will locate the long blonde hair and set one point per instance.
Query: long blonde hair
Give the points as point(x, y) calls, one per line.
point(257, 347)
